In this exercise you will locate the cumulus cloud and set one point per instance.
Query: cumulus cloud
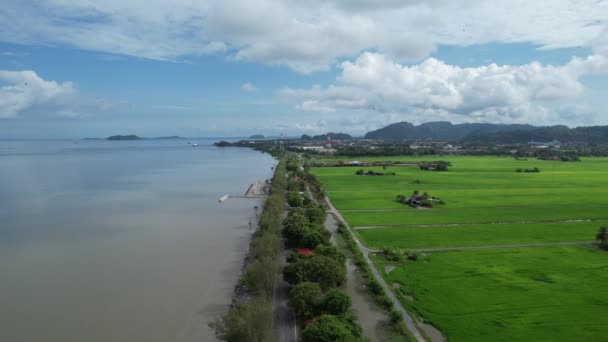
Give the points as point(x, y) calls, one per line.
point(306, 36)
point(23, 91)
point(507, 93)
point(248, 87)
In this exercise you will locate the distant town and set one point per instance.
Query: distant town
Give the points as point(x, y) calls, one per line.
point(441, 138)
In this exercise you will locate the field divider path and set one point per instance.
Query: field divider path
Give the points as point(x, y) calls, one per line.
point(407, 318)
point(456, 208)
point(546, 244)
point(434, 225)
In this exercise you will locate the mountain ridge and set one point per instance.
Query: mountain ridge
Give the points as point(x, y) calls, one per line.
point(440, 130)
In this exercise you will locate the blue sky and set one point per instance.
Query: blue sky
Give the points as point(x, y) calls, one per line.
point(72, 69)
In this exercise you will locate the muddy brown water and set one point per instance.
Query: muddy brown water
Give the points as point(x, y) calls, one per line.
point(121, 241)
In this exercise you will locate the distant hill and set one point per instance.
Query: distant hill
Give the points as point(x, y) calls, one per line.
point(257, 136)
point(334, 136)
point(124, 137)
point(490, 133)
point(591, 135)
point(439, 130)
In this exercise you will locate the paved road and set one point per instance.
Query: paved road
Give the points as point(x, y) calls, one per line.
point(407, 319)
point(284, 321)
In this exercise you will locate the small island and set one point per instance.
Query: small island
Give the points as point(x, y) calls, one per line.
point(257, 136)
point(124, 137)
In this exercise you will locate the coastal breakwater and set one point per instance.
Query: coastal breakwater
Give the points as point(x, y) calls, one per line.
point(255, 190)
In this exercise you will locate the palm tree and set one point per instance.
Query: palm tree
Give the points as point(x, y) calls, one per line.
point(602, 236)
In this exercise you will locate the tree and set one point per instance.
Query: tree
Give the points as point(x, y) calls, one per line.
point(295, 273)
point(327, 328)
point(311, 239)
point(315, 215)
point(295, 225)
point(305, 298)
point(317, 268)
point(602, 237)
point(259, 276)
point(325, 271)
point(306, 200)
point(293, 185)
point(248, 321)
point(267, 245)
point(336, 302)
point(294, 199)
point(332, 252)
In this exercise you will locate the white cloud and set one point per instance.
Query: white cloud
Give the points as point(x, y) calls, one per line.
point(306, 36)
point(434, 89)
point(25, 91)
point(248, 87)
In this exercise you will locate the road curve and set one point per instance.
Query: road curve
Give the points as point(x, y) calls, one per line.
point(407, 319)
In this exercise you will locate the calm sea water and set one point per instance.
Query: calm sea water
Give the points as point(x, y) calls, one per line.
point(121, 241)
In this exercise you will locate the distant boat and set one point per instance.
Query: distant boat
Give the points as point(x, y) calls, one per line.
point(194, 145)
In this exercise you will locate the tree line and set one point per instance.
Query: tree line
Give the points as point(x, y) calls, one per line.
point(318, 271)
point(250, 315)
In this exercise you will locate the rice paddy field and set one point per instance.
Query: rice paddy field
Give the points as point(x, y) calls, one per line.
point(548, 293)
point(522, 294)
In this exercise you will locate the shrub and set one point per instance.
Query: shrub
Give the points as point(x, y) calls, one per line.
point(413, 256)
point(396, 316)
point(392, 253)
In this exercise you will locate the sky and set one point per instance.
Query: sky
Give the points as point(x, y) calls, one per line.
point(204, 68)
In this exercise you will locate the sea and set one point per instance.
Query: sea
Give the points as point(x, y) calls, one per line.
point(122, 240)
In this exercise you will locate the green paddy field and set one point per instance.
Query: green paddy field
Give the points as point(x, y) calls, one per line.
point(522, 294)
point(490, 294)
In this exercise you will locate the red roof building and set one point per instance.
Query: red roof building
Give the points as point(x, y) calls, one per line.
point(305, 251)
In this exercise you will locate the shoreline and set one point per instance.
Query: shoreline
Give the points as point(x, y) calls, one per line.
point(250, 313)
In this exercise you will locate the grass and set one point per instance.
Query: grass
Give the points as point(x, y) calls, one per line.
point(524, 294)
